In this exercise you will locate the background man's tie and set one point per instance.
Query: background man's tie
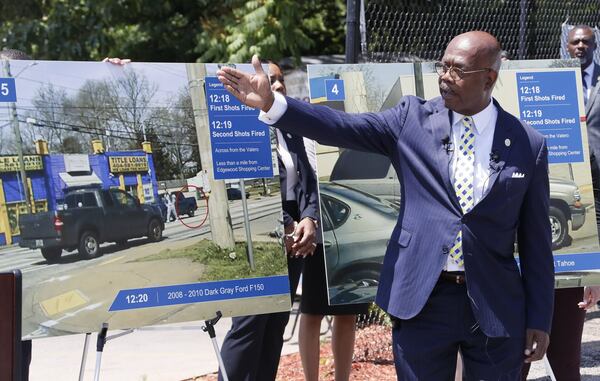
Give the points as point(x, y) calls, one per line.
point(585, 88)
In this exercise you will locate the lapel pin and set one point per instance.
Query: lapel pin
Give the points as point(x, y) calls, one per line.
point(289, 135)
point(507, 142)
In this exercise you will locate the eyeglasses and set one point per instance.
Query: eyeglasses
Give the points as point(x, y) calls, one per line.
point(455, 73)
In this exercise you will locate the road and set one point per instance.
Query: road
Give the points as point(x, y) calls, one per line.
point(32, 263)
point(71, 295)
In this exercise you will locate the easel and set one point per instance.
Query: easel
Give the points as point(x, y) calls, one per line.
point(10, 326)
point(102, 338)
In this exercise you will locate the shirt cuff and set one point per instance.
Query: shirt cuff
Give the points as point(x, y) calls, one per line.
point(276, 111)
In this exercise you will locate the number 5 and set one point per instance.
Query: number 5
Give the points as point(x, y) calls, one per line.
point(4, 89)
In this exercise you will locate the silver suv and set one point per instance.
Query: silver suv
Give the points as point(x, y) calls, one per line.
point(373, 173)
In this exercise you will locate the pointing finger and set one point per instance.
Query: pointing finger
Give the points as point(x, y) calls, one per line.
point(226, 70)
point(225, 81)
point(234, 92)
point(229, 77)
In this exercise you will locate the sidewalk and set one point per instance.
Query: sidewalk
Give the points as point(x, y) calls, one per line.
point(183, 351)
point(170, 353)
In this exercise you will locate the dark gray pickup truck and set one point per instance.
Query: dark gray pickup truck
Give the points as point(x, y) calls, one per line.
point(89, 217)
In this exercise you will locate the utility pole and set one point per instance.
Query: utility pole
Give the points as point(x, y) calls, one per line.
point(352, 31)
point(219, 217)
point(19, 141)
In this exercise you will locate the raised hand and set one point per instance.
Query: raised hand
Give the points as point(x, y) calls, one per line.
point(253, 90)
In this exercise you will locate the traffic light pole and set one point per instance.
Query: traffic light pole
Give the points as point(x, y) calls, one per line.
point(18, 142)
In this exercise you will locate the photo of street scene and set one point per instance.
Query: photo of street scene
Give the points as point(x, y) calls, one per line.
point(110, 209)
point(359, 192)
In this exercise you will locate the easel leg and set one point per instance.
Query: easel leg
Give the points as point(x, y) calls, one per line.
point(99, 349)
point(210, 329)
point(86, 344)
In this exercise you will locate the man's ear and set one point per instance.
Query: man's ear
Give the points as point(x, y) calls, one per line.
point(491, 77)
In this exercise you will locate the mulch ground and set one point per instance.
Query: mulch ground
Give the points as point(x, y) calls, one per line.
point(373, 359)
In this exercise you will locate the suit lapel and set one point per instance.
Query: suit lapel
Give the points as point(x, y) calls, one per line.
point(501, 147)
point(594, 91)
point(595, 75)
point(441, 130)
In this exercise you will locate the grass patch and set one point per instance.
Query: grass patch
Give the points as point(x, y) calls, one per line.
point(220, 264)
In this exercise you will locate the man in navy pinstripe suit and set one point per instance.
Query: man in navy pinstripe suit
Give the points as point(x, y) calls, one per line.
point(472, 177)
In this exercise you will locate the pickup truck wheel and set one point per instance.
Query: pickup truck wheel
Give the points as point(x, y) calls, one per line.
point(154, 231)
point(559, 227)
point(89, 247)
point(191, 213)
point(52, 255)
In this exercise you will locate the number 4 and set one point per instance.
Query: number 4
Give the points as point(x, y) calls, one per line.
point(4, 89)
point(334, 89)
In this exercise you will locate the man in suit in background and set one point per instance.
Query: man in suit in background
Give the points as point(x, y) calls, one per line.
point(564, 352)
point(252, 347)
point(581, 44)
point(472, 177)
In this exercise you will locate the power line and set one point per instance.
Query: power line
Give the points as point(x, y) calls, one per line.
point(109, 120)
point(106, 120)
point(86, 130)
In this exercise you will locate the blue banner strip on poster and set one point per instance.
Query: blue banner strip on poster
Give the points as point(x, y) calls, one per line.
point(317, 87)
point(200, 292)
point(576, 262)
point(564, 263)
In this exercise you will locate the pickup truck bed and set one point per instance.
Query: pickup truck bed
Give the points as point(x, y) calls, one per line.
point(89, 217)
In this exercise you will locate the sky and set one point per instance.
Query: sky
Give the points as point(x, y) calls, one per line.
point(71, 75)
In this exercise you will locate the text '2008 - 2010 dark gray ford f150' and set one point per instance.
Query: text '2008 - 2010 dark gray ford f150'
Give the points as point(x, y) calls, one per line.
point(90, 216)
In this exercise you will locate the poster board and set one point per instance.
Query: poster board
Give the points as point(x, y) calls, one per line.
point(545, 93)
point(106, 112)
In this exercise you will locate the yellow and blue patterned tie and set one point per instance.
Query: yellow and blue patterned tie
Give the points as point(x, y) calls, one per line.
point(463, 180)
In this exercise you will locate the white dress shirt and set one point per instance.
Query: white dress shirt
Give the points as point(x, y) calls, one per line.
point(587, 79)
point(290, 167)
point(276, 111)
point(485, 125)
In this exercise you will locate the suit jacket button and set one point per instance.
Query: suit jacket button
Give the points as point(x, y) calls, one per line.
point(445, 249)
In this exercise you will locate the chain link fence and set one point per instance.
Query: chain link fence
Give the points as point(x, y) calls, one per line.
point(408, 30)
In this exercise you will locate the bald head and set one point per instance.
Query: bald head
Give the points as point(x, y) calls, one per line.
point(485, 48)
point(472, 61)
point(582, 28)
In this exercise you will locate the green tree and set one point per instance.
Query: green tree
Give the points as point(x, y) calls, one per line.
point(172, 30)
point(274, 29)
point(71, 144)
point(165, 168)
point(144, 30)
